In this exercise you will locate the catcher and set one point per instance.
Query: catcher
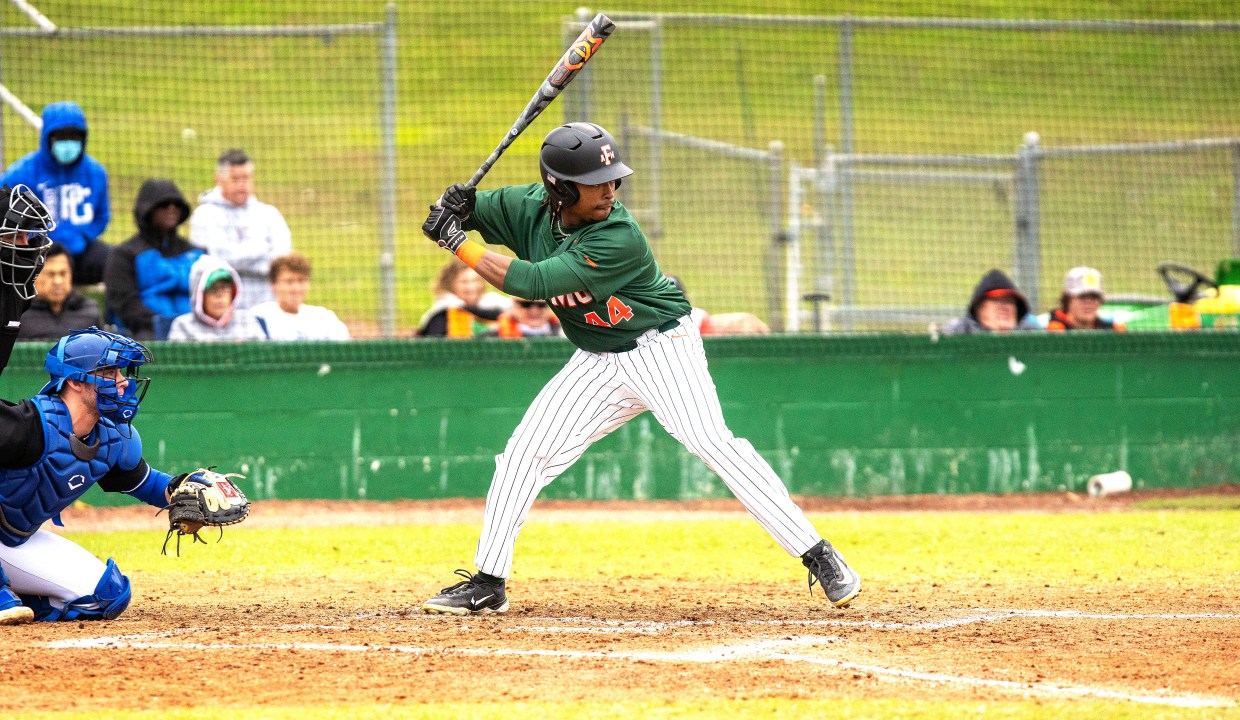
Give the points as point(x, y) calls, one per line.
point(53, 447)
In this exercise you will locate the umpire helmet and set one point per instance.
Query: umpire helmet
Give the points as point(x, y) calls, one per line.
point(578, 152)
point(21, 211)
point(81, 354)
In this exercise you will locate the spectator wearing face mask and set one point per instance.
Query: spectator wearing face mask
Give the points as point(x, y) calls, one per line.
point(73, 186)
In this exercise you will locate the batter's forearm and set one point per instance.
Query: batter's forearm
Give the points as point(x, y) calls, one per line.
point(493, 267)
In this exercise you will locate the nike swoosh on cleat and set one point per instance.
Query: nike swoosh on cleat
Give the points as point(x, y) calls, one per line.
point(475, 603)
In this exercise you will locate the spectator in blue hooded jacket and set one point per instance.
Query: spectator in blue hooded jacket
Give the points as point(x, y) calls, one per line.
point(147, 277)
point(73, 186)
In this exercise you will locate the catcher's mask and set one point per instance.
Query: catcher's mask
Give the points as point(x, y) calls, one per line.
point(578, 152)
point(21, 211)
point(83, 354)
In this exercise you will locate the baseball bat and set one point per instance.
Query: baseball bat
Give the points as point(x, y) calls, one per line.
point(575, 58)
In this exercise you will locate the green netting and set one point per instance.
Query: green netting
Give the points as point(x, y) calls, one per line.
point(457, 355)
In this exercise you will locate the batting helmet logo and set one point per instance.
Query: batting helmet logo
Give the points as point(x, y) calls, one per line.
point(606, 155)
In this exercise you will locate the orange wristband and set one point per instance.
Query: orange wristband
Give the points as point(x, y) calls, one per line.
point(470, 252)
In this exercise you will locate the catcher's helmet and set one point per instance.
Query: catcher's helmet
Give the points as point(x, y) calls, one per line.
point(578, 152)
point(21, 211)
point(82, 353)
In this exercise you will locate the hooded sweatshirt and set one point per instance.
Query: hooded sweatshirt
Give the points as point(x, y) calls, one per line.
point(994, 283)
point(247, 237)
point(236, 324)
point(76, 194)
point(148, 274)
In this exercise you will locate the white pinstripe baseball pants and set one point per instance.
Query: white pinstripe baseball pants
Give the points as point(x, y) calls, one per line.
point(594, 394)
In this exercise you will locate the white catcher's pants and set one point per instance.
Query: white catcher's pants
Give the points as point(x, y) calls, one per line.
point(48, 564)
point(594, 394)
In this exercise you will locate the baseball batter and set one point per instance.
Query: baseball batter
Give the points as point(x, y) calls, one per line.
point(638, 350)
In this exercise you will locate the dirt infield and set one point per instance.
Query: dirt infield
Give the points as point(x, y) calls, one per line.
point(616, 639)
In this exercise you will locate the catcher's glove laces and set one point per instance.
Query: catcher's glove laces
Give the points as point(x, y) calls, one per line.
point(200, 499)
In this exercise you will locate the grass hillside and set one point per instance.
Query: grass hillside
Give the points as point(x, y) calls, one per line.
point(307, 109)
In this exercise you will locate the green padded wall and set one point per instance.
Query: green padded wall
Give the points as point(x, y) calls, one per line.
point(837, 416)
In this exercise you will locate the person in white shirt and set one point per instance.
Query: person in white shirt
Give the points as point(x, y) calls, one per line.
point(288, 317)
point(233, 225)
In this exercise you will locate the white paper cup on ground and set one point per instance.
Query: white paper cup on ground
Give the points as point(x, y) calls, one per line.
point(1109, 483)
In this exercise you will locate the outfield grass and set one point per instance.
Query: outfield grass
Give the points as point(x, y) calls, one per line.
point(1131, 549)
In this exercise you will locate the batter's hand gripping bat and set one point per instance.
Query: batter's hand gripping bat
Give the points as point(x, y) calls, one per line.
point(578, 54)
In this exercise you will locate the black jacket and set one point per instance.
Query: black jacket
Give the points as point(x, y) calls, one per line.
point(40, 323)
point(998, 280)
point(124, 293)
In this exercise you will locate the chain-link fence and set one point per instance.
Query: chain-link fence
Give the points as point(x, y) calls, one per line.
point(920, 153)
point(872, 165)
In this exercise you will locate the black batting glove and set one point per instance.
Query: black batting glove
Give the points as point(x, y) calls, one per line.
point(460, 200)
point(443, 227)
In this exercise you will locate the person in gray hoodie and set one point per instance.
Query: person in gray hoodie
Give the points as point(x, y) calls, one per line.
point(215, 316)
point(233, 225)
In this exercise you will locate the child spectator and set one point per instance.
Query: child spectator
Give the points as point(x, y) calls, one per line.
point(288, 317)
point(463, 307)
point(1079, 303)
point(215, 315)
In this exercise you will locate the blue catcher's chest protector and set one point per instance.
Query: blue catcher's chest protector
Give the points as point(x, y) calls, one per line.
point(33, 495)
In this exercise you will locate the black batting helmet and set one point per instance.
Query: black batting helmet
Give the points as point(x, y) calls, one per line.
point(578, 152)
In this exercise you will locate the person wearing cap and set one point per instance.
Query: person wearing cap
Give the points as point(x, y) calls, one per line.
point(997, 306)
point(215, 316)
point(1079, 303)
point(526, 318)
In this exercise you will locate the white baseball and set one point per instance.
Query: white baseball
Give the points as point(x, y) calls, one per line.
point(188, 134)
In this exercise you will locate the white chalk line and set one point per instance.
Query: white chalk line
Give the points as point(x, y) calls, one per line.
point(766, 650)
point(762, 650)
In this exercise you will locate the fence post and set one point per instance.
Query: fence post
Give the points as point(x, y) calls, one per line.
point(846, 78)
point(655, 228)
point(1028, 251)
point(792, 251)
point(779, 239)
point(1235, 200)
point(387, 179)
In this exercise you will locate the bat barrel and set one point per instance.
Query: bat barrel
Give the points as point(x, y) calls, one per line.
point(574, 59)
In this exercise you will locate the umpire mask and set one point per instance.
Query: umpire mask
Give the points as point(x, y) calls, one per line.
point(24, 225)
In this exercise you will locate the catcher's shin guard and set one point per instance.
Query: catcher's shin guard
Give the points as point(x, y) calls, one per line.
point(109, 600)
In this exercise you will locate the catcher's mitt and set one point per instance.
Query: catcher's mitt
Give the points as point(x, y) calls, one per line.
point(203, 498)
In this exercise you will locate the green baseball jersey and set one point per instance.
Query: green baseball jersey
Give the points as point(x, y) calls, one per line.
point(601, 280)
